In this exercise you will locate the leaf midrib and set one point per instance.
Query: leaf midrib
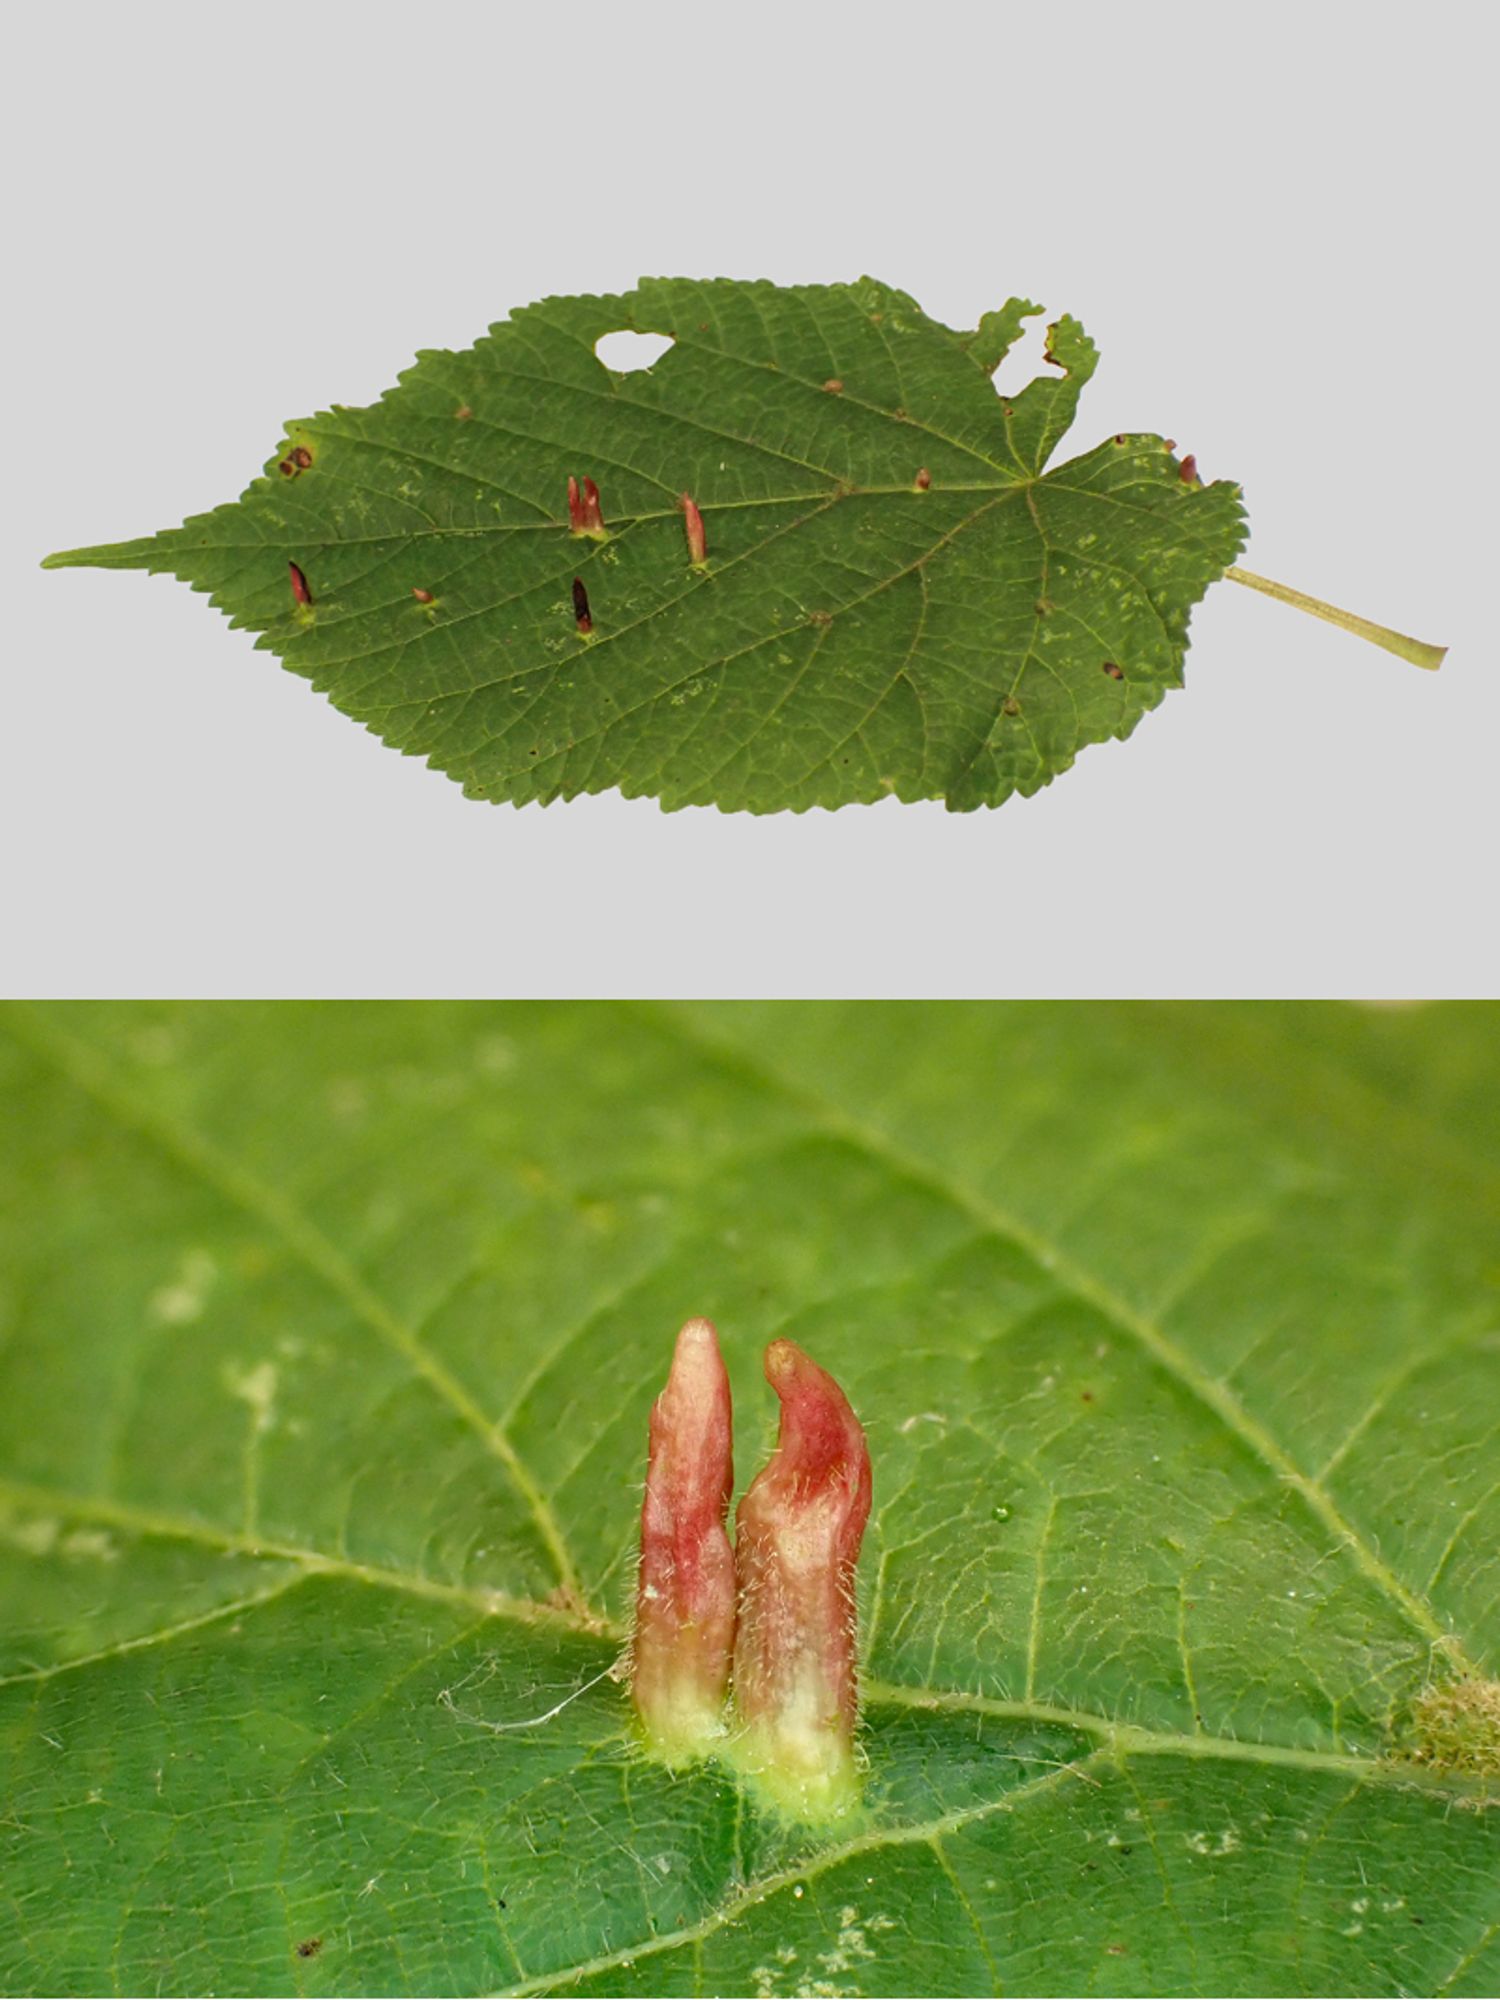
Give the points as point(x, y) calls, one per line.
point(1116, 1743)
point(312, 1565)
point(91, 556)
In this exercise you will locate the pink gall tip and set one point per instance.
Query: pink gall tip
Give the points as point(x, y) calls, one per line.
point(685, 1596)
point(799, 1529)
point(697, 541)
point(575, 506)
point(300, 592)
point(1188, 471)
point(923, 480)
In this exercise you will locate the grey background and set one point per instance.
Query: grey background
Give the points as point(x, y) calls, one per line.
point(1277, 223)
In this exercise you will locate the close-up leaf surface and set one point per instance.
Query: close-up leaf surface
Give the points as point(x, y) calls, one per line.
point(329, 1337)
point(897, 591)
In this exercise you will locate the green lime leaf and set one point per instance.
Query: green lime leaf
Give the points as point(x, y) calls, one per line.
point(897, 597)
point(327, 1341)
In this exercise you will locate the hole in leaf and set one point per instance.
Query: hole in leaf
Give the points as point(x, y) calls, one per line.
point(1024, 360)
point(627, 353)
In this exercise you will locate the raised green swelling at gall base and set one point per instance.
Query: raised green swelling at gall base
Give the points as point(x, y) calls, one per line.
point(809, 557)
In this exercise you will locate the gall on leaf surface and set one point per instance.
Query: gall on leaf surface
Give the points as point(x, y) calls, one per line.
point(896, 591)
point(329, 1337)
point(798, 1532)
point(685, 1592)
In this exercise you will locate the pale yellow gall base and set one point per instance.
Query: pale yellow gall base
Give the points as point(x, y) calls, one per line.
point(682, 1730)
point(801, 1770)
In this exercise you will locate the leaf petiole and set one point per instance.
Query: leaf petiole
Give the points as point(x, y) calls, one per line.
point(1416, 650)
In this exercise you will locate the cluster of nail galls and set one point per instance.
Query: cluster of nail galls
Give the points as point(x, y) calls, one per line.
point(585, 517)
point(749, 1652)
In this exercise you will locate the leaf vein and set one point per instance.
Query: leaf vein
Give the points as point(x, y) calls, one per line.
point(90, 1073)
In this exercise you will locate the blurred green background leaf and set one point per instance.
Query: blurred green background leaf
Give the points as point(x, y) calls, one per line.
point(327, 1337)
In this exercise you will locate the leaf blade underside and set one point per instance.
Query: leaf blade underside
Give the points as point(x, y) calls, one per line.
point(322, 1421)
point(853, 635)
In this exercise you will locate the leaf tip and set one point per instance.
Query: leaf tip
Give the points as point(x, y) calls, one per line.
point(104, 555)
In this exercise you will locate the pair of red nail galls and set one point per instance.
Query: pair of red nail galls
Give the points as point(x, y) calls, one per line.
point(749, 1652)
